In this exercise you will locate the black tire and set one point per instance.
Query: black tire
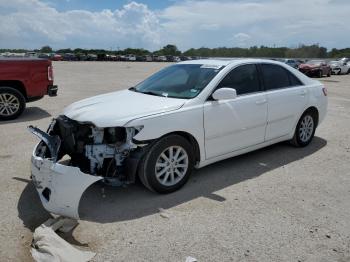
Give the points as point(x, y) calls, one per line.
point(298, 140)
point(147, 167)
point(339, 73)
point(348, 71)
point(329, 73)
point(320, 74)
point(20, 102)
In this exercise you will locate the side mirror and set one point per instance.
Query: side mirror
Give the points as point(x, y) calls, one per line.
point(224, 93)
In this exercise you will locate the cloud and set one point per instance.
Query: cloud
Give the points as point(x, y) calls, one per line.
point(31, 23)
point(268, 22)
point(186, 23)
point(241, 39)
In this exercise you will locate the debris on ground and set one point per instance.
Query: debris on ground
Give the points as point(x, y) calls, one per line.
point(190, 259)
point(47, 246)
point(163, 213)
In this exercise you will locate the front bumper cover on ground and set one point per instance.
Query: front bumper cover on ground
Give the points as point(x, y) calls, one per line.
point(60, 187)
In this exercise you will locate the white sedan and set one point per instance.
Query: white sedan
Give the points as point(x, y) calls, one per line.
point(186, 116)
point(339, 67)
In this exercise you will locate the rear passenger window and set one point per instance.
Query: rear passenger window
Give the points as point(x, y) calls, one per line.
point(294, 81)
point(274, 77)
point(243, 78)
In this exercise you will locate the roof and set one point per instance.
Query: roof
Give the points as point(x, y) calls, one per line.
point(227, 61)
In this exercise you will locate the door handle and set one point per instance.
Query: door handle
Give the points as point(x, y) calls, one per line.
point(260, 102)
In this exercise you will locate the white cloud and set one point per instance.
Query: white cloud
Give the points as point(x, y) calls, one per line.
point(186, 23)
point(268, 22)
point(31, 23)
point(241, 39)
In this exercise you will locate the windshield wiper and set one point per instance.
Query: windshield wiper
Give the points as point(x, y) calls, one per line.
point(151, 93)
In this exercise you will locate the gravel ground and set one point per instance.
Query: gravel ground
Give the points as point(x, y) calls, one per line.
point(276, 204)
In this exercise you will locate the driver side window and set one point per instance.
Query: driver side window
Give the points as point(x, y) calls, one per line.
point(243, 78)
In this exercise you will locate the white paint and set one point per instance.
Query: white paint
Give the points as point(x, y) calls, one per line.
point(222, 128)
point(67, 185)
point(117, 108)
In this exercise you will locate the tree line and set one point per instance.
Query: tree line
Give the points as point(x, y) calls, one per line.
point(302, 51)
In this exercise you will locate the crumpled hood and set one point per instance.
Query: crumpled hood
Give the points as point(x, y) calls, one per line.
point(118, 108)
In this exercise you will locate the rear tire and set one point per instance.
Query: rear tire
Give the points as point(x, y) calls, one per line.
point(305, 130)
point(329, 73)
point(167, 165)
point(12, 103)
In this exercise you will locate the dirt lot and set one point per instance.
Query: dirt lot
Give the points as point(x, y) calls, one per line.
point(277, 204)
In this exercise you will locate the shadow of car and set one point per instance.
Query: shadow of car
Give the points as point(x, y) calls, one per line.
point(104, 204)
point(30, 114)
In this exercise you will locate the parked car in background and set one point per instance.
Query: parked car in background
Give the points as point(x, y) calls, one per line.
point(317, 68)
point(188, 115)
point(162, 58)
point(177, 59)
point(56, 57)
point(148, 58)
point(345, 60)
point(44, 55)
point(69, 57)
point(339, 67)
point(130, 58)
point(291, 62)
point(31, 54)
point(23, 80)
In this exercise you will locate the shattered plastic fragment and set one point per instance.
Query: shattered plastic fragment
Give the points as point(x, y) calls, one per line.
point(163, 213)
point(191, 259)
point(47, 246)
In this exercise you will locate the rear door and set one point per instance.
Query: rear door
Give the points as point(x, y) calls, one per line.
point(237, 123)
point(287, 98)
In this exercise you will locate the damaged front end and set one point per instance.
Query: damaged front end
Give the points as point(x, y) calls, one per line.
point(71, 156)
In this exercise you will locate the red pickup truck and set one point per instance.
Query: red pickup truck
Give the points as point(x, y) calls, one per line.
point(23, 80)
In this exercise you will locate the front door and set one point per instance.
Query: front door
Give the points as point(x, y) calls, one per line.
point(235, 124)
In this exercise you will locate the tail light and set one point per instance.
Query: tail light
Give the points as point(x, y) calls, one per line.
point(324, 90)
point(50, 73)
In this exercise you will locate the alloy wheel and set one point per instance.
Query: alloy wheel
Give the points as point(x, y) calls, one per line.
point(9, 104)
point(306, 128)
point(171, 165)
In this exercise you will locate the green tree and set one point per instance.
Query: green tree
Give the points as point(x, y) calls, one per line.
point(168, 50)
point(46, 49)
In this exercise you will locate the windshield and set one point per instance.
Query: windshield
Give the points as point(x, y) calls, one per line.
point(179, 81)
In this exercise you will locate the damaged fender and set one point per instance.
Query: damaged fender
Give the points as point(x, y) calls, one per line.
point(60, 187)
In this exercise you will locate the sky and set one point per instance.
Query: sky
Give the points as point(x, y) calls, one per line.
point(151, 24)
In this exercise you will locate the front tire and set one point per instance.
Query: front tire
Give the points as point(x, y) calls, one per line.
point(12, 103)
point(305, 130)
point(168, 164)
point(320, 74)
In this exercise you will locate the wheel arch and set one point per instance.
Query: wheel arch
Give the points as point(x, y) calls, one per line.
point(191, 139)
point(314, 111)
point(16, 84)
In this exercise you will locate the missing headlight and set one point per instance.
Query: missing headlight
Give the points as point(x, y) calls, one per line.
point(114, 135)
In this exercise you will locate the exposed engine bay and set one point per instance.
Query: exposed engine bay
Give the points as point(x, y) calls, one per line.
point(96, 151)
point(71, 156)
